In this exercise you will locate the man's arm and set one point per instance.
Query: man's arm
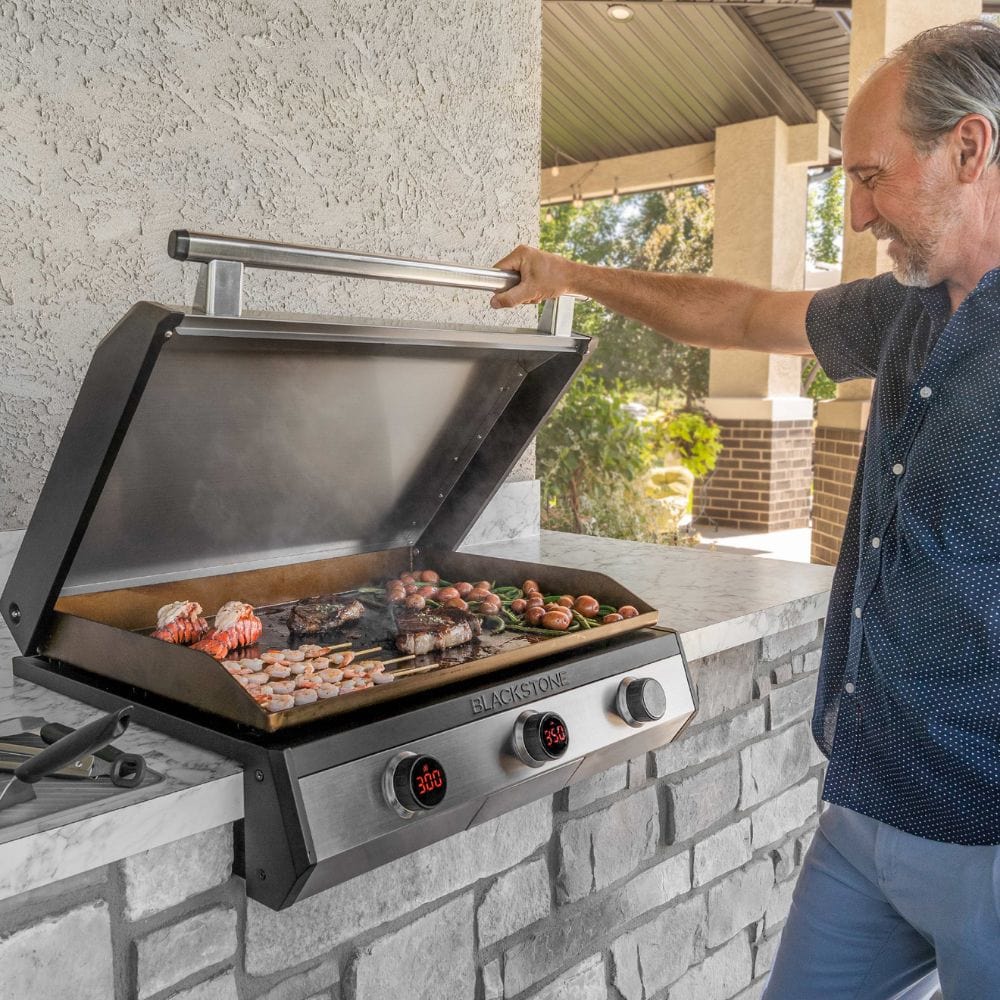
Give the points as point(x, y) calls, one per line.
point(705, 312)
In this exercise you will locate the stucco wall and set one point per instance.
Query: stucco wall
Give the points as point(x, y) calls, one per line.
point(394, 127)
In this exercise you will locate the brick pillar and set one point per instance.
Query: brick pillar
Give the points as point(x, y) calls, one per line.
point(836, 458)
point(764, 476)
point(878, 27)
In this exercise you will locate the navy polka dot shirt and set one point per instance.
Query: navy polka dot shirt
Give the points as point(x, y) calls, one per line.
point(908, 702)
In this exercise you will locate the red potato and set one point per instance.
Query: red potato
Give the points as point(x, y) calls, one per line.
point(457, 602)
point(534, 616)
point(488, 607)
point(627, 611)
point(535, 602)
point(587, 606)
point(447, 593)
point(407, 577)
point(566, 600)
point(555, 620)
point(411, 588)
point(463, 588)
point(429, 576)
point(478, 593)
point(484, 585)
point(608, 619)
point(528, 586)
point(519, 606)
point(427, 592)
point(415, 603)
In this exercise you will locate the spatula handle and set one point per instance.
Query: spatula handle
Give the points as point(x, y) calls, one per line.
point(82, 741)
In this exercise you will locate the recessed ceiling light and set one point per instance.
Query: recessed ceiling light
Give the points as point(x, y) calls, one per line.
point(620, 12)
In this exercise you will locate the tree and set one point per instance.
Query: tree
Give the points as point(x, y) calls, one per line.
point(825, 227)
point(825, 224)
point(656, 231)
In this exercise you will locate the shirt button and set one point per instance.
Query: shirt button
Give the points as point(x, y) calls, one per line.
point(897, 469)
point(876, 542)
point(849, 687)
point(925, 392)
point(857, 612)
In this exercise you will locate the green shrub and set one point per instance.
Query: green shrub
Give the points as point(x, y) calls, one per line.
point(590, 455)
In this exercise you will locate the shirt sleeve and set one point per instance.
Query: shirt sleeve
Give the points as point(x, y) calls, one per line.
point(846, 325)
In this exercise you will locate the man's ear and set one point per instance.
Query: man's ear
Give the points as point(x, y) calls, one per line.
point(972, 137)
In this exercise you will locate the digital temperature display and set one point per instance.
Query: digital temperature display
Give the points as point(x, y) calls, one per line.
point(427, 782)
point(555, 738)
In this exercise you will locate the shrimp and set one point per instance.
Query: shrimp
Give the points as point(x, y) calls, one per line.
point(305, 696)
point(280, 702)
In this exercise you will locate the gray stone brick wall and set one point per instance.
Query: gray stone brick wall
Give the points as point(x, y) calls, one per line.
point(669, 878)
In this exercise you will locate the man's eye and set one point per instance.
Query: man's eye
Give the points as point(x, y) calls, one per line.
point(868, 180)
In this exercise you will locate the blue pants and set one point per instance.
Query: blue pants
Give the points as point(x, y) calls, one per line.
point(876, 911)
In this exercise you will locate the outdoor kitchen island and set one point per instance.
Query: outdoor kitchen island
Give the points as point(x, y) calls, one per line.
point(674, 870)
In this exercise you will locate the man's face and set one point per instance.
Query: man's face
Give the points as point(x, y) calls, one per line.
point(897, 192)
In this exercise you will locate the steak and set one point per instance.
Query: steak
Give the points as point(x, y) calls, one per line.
point(322, 613)
point(420, 632)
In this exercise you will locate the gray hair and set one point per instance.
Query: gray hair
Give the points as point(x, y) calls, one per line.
point(951, 72)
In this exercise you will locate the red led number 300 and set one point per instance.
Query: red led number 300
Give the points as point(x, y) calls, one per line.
point(426, 783)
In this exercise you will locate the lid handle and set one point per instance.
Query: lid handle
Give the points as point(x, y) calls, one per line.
point(220, 287)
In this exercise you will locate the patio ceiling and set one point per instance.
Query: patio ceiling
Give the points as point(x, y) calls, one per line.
point(679, 69)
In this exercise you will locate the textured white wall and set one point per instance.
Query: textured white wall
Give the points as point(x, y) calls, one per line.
point(395, 127)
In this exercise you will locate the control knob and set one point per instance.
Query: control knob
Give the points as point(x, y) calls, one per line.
point(413, 782)
point(540, 737)
point(641, 700)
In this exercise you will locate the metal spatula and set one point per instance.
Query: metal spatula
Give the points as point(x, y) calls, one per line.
point(85, 740)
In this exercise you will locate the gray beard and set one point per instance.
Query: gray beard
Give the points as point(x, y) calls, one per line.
point(912, 267)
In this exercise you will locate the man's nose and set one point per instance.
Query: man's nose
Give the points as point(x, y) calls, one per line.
point(862, 204)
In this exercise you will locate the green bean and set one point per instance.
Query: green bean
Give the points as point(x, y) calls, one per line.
point(584, 621)
point(535, 631)
point(500, 626)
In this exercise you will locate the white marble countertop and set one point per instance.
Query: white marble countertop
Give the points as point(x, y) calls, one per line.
point(714, 600)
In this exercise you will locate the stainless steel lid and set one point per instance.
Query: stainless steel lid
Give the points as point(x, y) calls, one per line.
point(208, 440)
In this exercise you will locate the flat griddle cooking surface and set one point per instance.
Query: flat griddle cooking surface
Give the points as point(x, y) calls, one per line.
point(107, 632)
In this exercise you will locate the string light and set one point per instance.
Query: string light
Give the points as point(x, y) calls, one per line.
point(555, 166)
point(615, 197)
point(577, 199)
point(549, 217)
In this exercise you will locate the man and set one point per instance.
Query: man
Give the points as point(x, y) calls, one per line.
point(904, 873)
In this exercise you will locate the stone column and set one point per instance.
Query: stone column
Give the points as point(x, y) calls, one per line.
point(878, 27)
point(763, 478)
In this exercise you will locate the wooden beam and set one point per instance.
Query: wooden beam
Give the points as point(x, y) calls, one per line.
point(808, 145)
point(662, 168)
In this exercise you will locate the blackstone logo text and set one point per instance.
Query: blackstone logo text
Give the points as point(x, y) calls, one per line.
point(500, 698)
